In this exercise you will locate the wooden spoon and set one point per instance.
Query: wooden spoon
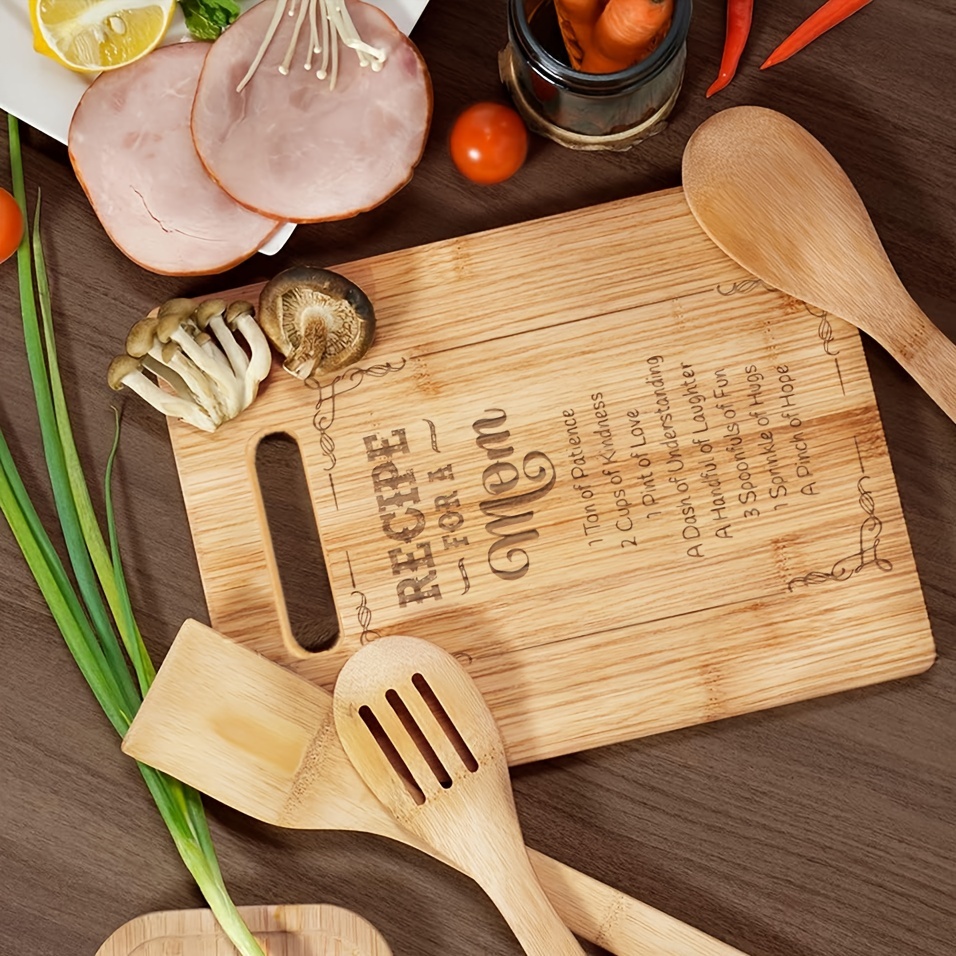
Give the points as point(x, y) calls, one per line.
point(260, 739)
point(779, 204)
point(417, 729)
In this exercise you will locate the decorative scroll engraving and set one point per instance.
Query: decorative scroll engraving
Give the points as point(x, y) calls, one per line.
point(464, 575)
point(434, 435)
point(744, 286)
point(865, 556)
point(364, 614)
point(324, 415)
point(824, 329)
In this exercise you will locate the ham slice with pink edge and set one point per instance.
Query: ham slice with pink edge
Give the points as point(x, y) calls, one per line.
point(132, 151)
point(291, 147)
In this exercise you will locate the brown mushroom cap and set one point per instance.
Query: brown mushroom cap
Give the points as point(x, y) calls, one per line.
point(237, 308)
point(319, 320)
point(120, 367)
point(141, 337)
point(167, 324)
point(206, 310)
point(182, 307)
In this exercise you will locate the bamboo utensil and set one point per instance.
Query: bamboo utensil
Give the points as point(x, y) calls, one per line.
point(260, 739)
point(776, 201)
point(311, 929)
point(420, 734)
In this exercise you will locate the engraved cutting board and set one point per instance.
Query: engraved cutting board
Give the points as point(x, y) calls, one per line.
point(630, 486)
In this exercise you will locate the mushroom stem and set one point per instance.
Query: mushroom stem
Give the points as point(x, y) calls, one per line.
point(237, 357)
point(173, 379)
point(206, 398)
point(270, 33)
point(171, 329)
point(226, 380)
point(211, 315)
point(290, 52)
point(336, 25)
point(126, 370)
point(261, 361)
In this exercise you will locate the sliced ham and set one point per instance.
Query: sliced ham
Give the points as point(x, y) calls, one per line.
point(293, 147)
point(133, 154)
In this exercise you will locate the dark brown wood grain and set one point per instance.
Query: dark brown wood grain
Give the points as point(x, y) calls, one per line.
point(821, 829)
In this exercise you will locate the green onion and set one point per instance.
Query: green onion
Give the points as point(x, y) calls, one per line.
point(94, 614)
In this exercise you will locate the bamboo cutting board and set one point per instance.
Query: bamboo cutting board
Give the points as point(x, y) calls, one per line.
point(302, 930)
point(628, 485)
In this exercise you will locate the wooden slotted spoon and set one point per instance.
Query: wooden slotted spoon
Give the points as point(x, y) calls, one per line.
point(417, 729)
point(779, 204)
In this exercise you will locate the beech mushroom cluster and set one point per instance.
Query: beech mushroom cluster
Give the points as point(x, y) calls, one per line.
point(210, 355)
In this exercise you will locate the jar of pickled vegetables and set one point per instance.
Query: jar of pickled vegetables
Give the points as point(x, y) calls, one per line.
point(582, 109)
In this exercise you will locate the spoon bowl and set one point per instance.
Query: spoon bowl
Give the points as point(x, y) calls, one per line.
point(779, 204)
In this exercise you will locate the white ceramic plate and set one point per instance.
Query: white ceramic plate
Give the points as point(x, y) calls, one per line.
point(44, 94)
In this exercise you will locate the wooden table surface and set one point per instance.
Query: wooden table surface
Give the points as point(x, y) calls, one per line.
point(826, 828)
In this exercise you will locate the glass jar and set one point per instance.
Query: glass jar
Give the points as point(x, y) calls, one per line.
point(589, 110)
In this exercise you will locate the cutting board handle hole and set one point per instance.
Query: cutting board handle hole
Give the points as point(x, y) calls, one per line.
point(300, 563)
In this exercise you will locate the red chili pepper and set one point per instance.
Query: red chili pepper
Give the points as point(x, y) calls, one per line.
point(739, 15)
point(829, 15)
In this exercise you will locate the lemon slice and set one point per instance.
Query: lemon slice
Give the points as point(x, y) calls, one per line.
point(95, 35)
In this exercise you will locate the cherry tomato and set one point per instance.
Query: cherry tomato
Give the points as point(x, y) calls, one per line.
point(489, 143)
point(11, 225)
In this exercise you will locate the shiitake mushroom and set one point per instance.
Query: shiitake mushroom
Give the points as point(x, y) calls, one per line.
point(319, 320)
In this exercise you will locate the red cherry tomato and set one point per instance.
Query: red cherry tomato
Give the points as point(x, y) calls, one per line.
point(11, 225)
point(489, 143)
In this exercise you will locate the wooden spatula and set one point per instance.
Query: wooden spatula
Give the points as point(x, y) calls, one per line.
point(421, 736)
point(776, 201)
point(262, 740)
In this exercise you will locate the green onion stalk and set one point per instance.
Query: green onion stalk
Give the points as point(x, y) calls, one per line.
point(92, 607)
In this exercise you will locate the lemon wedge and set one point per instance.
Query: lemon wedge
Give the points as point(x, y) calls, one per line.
point(95, 35)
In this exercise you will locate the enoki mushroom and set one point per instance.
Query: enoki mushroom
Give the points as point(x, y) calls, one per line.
point(329, 23)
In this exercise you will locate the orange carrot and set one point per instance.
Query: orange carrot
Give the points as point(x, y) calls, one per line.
point(576, 19)
point(627, 31)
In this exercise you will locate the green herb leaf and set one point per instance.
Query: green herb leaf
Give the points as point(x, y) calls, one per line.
point(206, 19)
point(87, 623)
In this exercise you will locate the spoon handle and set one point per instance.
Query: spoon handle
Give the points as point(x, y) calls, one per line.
point(616, 922)
point(925, 352)
point(511, 883)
